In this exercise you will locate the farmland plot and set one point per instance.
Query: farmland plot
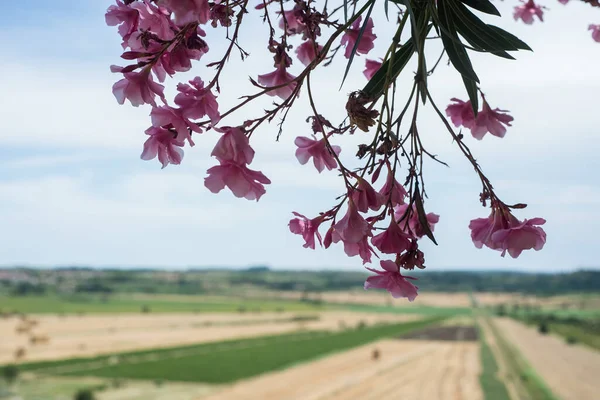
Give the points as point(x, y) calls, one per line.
point(53, 337)
point(570, 371)
point(405, 369)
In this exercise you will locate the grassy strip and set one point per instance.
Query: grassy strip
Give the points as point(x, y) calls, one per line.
point(534, 385)
point(577, 334)
point(222, 362)
point(493, 388)
point(78, 304)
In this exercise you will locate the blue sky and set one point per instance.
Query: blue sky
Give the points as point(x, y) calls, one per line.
point(74, 191)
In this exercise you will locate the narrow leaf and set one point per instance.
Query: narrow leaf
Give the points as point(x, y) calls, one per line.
point(483, 6)
point(422, 215)
point(376, 85)
point(360, 35)
point(471, 87)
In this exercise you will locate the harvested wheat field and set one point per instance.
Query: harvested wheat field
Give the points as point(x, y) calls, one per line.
point(404, 369)
point(53, 337)
point(572, 372)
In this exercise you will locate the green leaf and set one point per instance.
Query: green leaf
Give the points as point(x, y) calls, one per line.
point(518, 43)
point(471, 87)
point(422, 215)
point(376, 85)
point(359, 37)
point(478, 33)
point(483, 6)
point(455, 49)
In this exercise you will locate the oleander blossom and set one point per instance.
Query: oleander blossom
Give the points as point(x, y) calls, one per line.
point(242, 181)
point(461, 113)
point(165, 116)
point(392, 280)
point(365, 197)
point(393, 240)
point(492, 121)
point(276, 78)
point(307, 52)
point(126, 17)
point(527, 11)
point(196, 101)
point(366, 41)
point(187, 11)
point(307, 228)
point(352, 228)
point(154, 19)
point(165, 144)
point(371, 67)
point(414, 226)
point(233, 146)
point(294, 24)
point(393, 191)
point(502, 231)
point(137, 87)
point(595, 32)
point(317, 150)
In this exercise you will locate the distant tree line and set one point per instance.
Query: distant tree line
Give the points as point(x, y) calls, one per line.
point(219, 281)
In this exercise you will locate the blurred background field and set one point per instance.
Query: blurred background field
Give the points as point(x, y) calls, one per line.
point(78, 333)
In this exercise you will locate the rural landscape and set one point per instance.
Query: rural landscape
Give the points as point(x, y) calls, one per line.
point(217, 334)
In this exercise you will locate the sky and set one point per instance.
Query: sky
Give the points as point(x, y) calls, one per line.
point(73, 190)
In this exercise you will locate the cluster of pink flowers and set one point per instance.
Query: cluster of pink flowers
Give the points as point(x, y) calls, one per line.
point(530, 9)
point(163, 37)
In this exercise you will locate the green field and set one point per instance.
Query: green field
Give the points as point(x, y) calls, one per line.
point(493, 388)
point(235, 359)
point(155, 303)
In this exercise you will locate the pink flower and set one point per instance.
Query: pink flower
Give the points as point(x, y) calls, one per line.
point(526, 12)
point(306, 52)
point(521, 236)
point(393, 240)
point(595, 32)
point(317, 149)
point(294, 25)
point(179, 57)
point(196, 101)
point(361, 249)
point(563, 1)
point(164, 143)
point(154, 19)
point(365, 197)
point(233, 146)
point(308, 228)
point(352, 228)
point(187, 11)
point(502, 231)
point(489, 120)
point(461, 113)
point(371, 67)
point(366, 41)
point(482, 229)
point(276, 78)
point(124, 16)
point(414, 226)
point(243, 182)
point(393, 191)
point(392, 280)
point(166, 116)
point(137, 87)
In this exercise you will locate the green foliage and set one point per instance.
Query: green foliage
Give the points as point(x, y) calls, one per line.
point(10, 373)
point(229, 361)
point(543, 328)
